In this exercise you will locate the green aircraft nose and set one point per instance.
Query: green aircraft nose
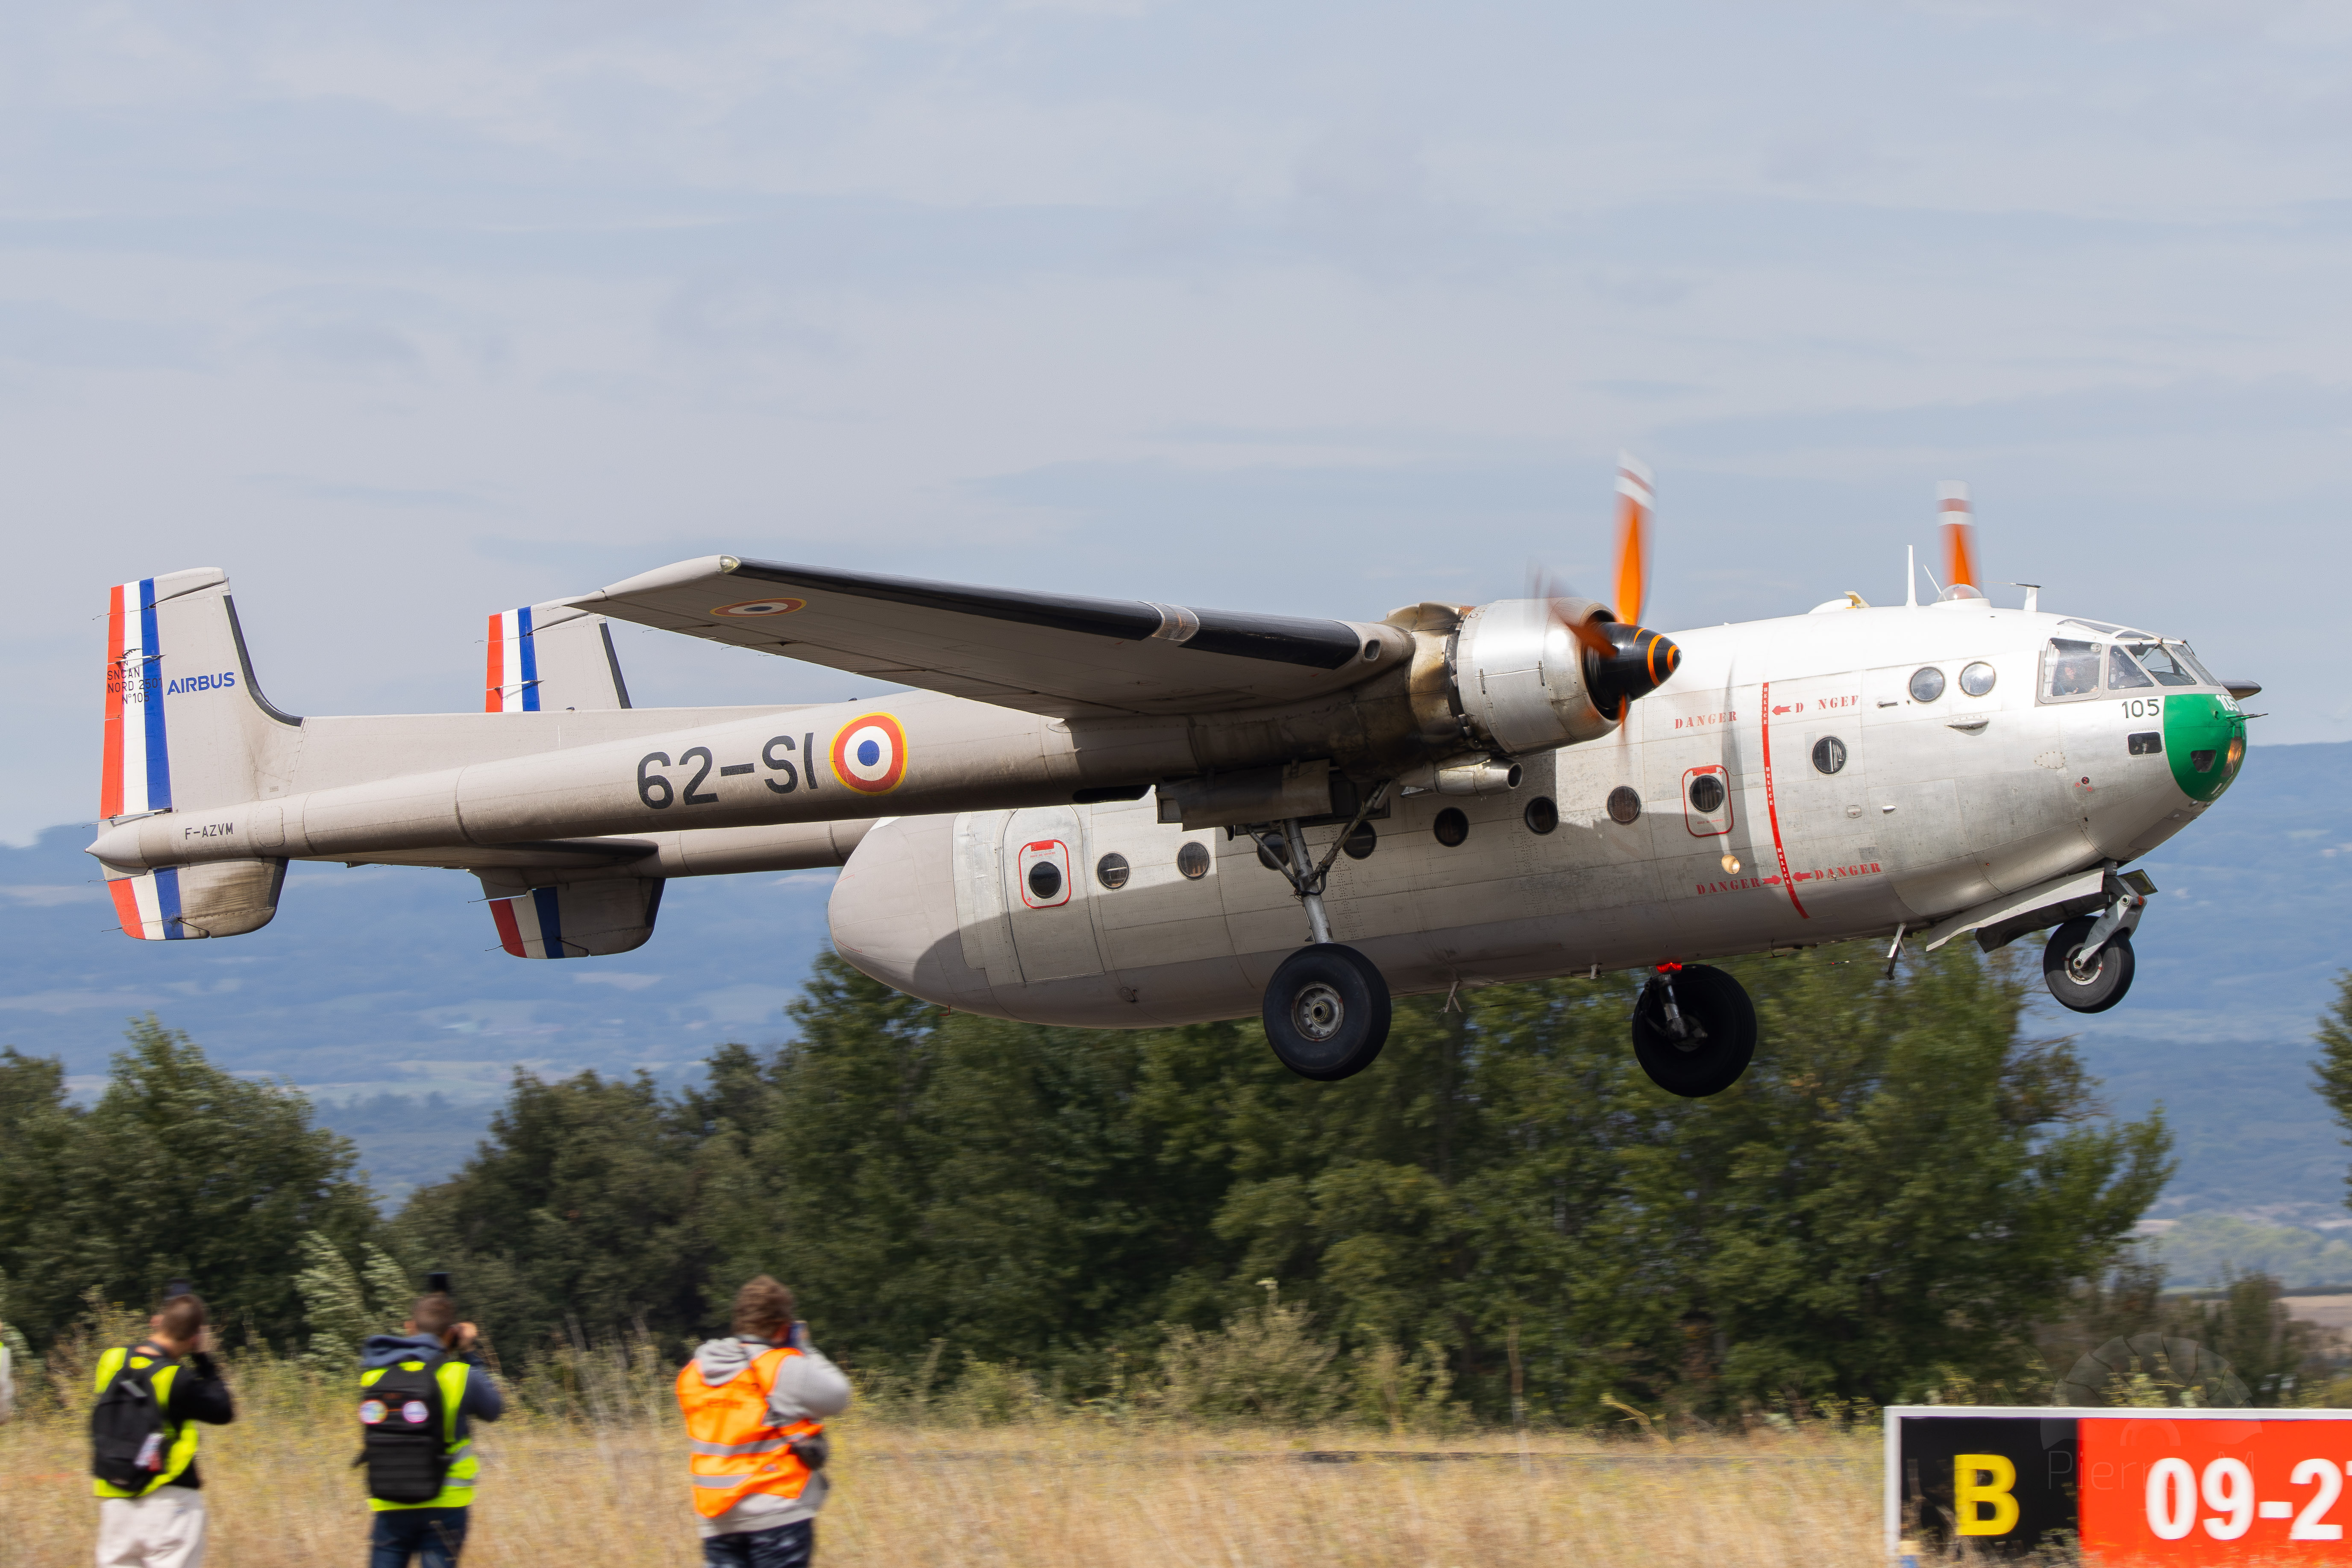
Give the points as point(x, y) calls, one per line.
point(2205, 740)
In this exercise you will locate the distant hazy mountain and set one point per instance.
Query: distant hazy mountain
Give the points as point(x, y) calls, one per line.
point(377, 982)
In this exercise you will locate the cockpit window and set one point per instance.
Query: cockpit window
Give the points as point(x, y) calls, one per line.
point(2070, 668)
point(2161, 660)
point(2191, 663)
point(2099, 626)
point(2122, 672)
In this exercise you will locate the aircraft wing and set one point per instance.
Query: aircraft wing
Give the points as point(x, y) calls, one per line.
point(1042, 653)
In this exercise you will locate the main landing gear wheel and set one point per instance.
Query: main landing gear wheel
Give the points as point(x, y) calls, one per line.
point(2091, 987)
point(1693, 1031)
point(1327, 1012)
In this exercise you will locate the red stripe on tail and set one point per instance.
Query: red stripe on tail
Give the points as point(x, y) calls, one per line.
point(125, 892)
point(509, 933)
point(493, 698)
point(109, 781)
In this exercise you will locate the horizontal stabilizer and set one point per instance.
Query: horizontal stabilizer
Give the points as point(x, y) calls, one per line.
point(572, 920)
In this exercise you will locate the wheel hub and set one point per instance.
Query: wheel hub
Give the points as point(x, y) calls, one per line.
point(2083, 966)
point(1319, 1012)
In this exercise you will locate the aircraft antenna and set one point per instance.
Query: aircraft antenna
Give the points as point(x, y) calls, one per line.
point(1910, 578)
point(2033, 595)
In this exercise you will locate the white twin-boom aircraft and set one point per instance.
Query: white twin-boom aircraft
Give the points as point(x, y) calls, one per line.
point(1121, 813)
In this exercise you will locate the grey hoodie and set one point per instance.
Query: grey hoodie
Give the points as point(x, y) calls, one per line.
point(483, 1402)
point(808, 1388)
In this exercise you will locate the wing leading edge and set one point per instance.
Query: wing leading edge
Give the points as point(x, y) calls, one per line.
point(1054, 654)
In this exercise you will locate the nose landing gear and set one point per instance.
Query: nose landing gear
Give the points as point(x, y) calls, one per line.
point(1694, 1031)
point(2088, 965)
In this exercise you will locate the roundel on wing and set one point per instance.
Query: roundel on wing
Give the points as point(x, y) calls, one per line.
point(869, 754)
point(772, 606)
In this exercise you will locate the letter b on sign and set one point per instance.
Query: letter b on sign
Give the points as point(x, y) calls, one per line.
point(1982, 1482)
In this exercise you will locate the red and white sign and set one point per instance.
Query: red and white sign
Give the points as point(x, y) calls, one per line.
point(2134, 1487)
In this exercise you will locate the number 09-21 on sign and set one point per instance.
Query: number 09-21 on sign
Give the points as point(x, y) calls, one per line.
point(2173, 1486)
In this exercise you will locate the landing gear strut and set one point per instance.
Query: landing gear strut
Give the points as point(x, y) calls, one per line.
point(1694, 1031)
point(1327, 1009)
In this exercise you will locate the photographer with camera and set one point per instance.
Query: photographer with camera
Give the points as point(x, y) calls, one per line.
point(753, 1403)
point(420, 1390)
point(142, 1432)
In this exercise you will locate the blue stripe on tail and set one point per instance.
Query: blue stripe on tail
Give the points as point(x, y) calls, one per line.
point(550, 921)
point(151, 674)
point(167, 903)
point(529, 660)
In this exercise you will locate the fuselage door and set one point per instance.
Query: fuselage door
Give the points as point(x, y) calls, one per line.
point(1053, 928)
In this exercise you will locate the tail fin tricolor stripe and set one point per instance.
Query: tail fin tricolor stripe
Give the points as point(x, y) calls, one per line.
point(512, 681)
point(148, 905)
point(136, 775)
point(530, 925)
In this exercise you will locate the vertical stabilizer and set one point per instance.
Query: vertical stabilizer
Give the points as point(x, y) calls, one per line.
point(572, 919)
point(550, 657)
point(185, 728)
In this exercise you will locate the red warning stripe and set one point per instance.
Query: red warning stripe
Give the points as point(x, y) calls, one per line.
point(1773, 808)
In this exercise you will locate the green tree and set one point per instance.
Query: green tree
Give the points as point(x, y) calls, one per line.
point(2334, 1063)
point(180, 1170)
point(577, 1216)
point(1901, 1182)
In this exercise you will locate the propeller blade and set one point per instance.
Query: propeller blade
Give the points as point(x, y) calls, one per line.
point(1636, 498)
point(1959, 521)
point(1570, 611)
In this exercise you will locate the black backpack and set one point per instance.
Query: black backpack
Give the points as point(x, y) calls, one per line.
point(402, 1422)
point(129, 1439)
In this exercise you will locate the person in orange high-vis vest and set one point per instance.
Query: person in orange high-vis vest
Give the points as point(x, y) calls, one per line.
point(754, 1404)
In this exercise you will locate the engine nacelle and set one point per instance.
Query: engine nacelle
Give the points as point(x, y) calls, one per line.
point(1520, 677)
point(1511, 678)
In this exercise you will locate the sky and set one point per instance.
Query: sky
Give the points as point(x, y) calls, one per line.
point(401, 314)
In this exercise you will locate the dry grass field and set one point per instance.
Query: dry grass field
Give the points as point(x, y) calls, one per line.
point(1048, 1491)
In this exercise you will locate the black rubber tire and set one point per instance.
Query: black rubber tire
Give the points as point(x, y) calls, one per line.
point(1327, 1012)
point(2108, 982)
point(1695, 1069)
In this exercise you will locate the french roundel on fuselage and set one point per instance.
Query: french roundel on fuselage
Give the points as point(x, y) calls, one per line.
point(869, 754)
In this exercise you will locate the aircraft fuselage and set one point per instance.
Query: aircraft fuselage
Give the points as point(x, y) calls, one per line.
point(1791, 785)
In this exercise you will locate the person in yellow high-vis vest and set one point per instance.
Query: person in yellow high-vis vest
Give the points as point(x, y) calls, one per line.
point(160, 1522)
point(432, 1343)
point(754, 1404)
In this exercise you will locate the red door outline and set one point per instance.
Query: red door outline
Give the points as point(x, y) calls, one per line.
point(1701, 825)
point(1044, 852)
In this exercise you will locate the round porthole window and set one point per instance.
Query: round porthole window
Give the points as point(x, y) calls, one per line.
point(1044, 882)
point(1624, 805)
point(1111, 870)
point(1706, 794)
point(1273, 856)
point(1542, 815)
point(1829, 754)
point(1450, 826)
point(1192, 861)
point(1978, 678)
point(1926, 685)
point(1361, 842)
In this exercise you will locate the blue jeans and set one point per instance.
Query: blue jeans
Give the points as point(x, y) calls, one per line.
point(433, 1534)
point(790, 1545)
